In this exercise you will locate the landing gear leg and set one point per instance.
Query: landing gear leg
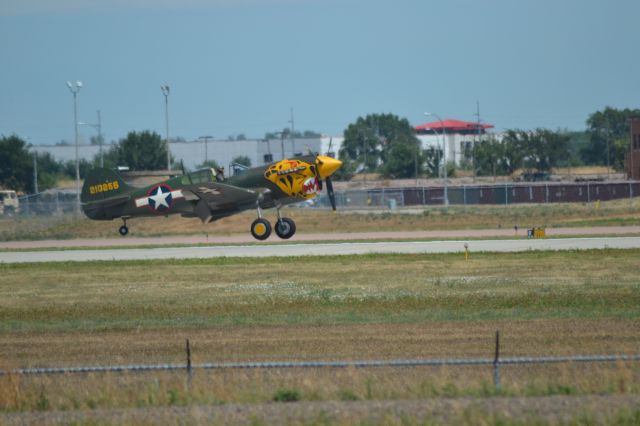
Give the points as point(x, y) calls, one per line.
point(285, 227)
point(260, 228)
point(123, 230)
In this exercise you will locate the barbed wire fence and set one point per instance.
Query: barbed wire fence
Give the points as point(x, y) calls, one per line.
point(496, 363)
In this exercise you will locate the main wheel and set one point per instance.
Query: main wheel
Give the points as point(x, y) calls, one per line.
point(285, 228)
point(260, 229)
point(123, 230)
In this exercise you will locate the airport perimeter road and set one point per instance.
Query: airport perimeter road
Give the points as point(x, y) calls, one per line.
point(320, 249)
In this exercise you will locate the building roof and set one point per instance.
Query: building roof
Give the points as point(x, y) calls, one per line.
point(453, 126)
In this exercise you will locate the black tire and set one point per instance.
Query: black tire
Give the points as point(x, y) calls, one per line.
point(123, 230)
point(285, 228)
point(260, 229)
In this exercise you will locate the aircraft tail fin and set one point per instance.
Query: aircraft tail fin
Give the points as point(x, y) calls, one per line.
point(102, 184)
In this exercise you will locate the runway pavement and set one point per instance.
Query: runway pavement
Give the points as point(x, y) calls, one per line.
point(319, 249)
point(246, 238)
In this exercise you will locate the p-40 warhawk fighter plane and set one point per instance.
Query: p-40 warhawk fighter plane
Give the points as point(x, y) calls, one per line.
point(207, 195)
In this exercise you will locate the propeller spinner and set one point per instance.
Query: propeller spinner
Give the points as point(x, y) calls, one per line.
point(326, 166)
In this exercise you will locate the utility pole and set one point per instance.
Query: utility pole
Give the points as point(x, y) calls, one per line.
point(473, 150)
point(444, 157)
point(364, 141)
point(293, 149)
point(98, 127)
point(415, 161)
point(281, 134)
point(35, 171)
point(165, 92)
point(74, 89)
point(100, 139)
point(206, 148)
point(608, 154)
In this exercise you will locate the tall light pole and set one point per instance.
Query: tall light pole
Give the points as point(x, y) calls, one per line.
point(35, 172)
point(444, 156)
point(75, 88)
point(98, 127)
point(608, 152)
point(364, 144)
point(293, 149)
point(165, 92)
point(206, 146)
point(281, 134)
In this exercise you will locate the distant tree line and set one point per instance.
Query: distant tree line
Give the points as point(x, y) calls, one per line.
point(143, 150)
point(286, 134)
point(386, 144)
point(139, 151)
point(381, 143)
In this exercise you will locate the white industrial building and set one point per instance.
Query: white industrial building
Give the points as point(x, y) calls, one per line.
point(459, 136)
point(194, 153)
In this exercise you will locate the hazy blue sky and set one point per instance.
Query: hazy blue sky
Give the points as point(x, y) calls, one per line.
point(238, 66)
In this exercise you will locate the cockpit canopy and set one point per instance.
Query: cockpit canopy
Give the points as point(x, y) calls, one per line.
point(201, 176)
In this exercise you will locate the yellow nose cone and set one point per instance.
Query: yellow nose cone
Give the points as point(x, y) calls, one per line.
point(327, 165)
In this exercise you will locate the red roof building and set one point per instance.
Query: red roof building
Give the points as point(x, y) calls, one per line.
point(453, 127)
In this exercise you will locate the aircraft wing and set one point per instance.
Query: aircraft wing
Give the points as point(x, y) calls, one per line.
point(217, 199)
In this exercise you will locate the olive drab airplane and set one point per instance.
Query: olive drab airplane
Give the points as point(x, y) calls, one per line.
point(206, 194)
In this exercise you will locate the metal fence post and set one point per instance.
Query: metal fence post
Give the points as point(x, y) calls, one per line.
point(546, 193)
point(506, 194)
point(496, 363)
point(189, 369)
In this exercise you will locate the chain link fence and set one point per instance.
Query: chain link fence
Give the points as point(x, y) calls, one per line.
point(48, 203)
point(61, 202)
point(496, 362)
point(499, 194)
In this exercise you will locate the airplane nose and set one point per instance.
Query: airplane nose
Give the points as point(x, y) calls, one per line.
point(327, 165)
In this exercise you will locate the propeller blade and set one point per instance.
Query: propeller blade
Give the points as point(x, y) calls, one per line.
point(332, 196)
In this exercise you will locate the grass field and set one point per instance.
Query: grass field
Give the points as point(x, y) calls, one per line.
point(612, 213)
point(327, 308)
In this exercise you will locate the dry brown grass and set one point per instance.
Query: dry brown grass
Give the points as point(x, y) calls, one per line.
point(322, 342)
point(324, 308)
point(90, 391)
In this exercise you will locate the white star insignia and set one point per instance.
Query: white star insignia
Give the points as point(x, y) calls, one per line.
point(160, 198)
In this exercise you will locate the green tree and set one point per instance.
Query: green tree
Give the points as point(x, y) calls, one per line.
point(381, 142)
point(307, 134)
point(432, 160)
point(490, 158)
point(144, 150)
point(242, 159)
point(16, 164)
point(97, 140)
point(84, 166)
point(539, 149)
point(609, 127)
point(49, 170)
